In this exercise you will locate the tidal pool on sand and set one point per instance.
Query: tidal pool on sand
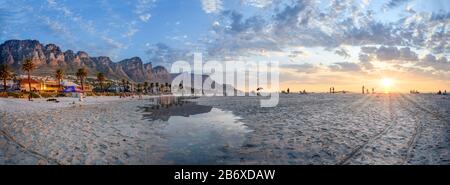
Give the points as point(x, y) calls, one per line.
point(196, 134)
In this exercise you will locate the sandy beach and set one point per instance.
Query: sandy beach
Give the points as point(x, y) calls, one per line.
point(302, 129)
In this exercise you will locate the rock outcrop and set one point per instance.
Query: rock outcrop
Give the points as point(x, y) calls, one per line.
point(48, 58)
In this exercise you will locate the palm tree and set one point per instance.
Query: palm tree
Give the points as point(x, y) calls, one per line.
point(132, 88)
point(151, 87)
point(180, 88)
point(166, 85)
point(161, 88)
point(123, 84)
point(139, 87)
point(59, 75)
point(81, 74)
point(28, 66)
point(5, 74)
point(145, 87)
point(101, 78)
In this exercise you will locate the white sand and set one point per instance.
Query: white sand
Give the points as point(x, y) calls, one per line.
point(344, 129)
point(99, 130)
point(302, 129)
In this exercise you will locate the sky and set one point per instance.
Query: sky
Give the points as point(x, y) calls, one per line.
point(319, 43)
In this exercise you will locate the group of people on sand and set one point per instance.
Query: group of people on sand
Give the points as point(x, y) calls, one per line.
point(438, 93)
point(332, 91)
point(132, 95)
point(442, 93)
point(366, 90)
point(288, 91)
point(414, 91)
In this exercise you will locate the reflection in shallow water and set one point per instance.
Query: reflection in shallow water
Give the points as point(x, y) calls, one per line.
point(196, 134)
point(163, 108)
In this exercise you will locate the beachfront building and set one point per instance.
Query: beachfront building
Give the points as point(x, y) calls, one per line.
point(38, 85)
point(50, 86)
point(87, 88)
point(159, 87)
point(165, 88)
point(115, 88)
point(11, 85)
point(73, 87)
point(25, 84)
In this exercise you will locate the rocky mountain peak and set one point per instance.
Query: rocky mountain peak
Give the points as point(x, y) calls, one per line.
point(82, 54)
point(48, 58)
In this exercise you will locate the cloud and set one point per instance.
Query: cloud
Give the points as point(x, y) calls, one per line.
point(162, 54)
point(258, 3)
point(400, 55)
point(145, 17)
point(392, 53)
point(342, 52)
point(51, 2)
point(388, 54)
point(300, 23)
point(212, 6)
point(365, 61)
point(440, 16)
point(238, 25)
point(307, 68)
point(365, 3)
point(130, 32)
point(296, 53)
point(112, 44)
point(345, 67)
point(143, 8)
point(86, 25)
point(395, 3)
point(289, 15)
point(441, 64)
point(6, 17)
point(309, 24)
point(56, 27)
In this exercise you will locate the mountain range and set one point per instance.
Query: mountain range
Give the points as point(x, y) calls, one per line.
point(48, 58)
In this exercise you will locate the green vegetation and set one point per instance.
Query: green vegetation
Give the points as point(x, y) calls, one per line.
point(28, 66)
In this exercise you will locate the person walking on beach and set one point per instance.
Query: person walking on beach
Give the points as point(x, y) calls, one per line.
point(81, 96)
point(363, 89)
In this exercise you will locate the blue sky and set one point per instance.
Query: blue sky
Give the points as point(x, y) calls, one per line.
point(315, 36)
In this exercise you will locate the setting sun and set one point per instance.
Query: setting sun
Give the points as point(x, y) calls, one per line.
point(387, 84)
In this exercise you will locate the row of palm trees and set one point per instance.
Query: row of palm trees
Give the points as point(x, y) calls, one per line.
point(6, 74)
point(143, 87)
point(28, 66)
point(81, 75)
